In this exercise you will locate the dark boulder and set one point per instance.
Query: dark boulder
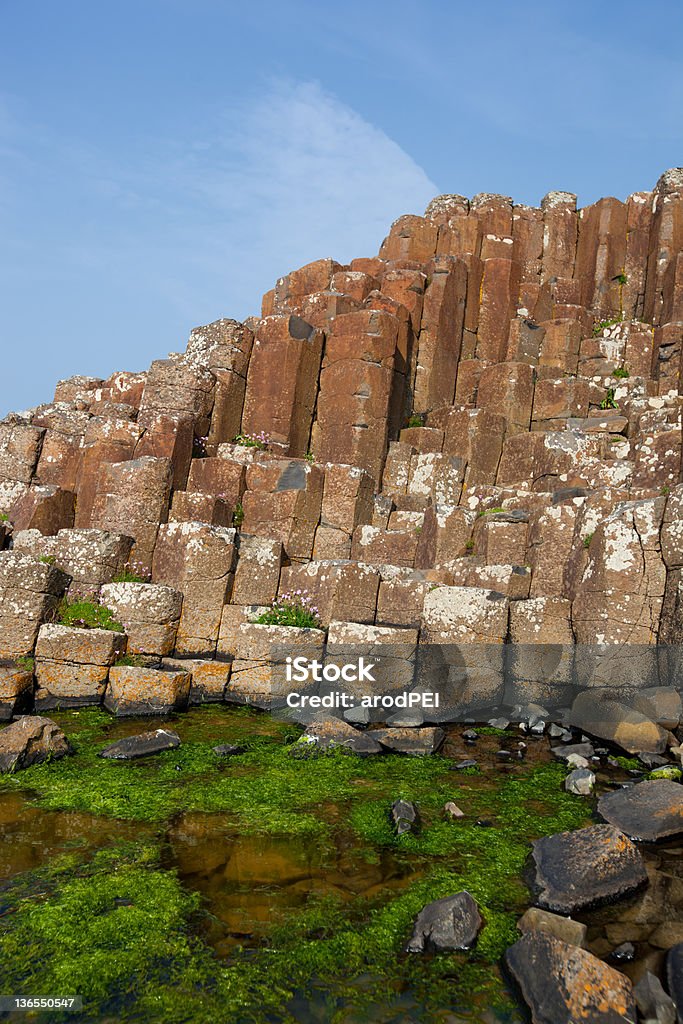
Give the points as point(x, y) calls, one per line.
point(577, 870)
point(447, 924)
point(650, 811)
point(563, 984)
point(142, 745)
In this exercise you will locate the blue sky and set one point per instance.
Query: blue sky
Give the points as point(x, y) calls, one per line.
point(162, 162)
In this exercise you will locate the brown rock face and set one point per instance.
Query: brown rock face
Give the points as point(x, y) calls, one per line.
point(474, 435)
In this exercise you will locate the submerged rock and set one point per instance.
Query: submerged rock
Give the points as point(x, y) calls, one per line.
point(650, 811)
point(143, 744)
point(404, 817)
point(450, 923)
point(674, 977)
point(31, 740)
point(577, 870)
point(418, 742)
point(562, 984)
point(656, 1007)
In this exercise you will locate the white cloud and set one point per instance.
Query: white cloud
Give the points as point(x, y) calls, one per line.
point(298, 175)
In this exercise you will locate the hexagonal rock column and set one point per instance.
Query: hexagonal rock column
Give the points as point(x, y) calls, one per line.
point(282, 382)
point(45, 508)
point(16, 691)
point(146, 691)
point(150, 614)
point(72, 665)
point(356, 390)
point(199, 560)
point(258, 671)
point(340, 590)
point(283, 501)
point(20, 445)
point(461, 647)
point(392, 650)
point(90, 557)
point(209, 678)
point(29, 591)
point(134, 497)
point(223, 347)
point(257, 575)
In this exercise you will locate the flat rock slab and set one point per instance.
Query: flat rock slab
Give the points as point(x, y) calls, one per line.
point(563, 928)
point(577, 870)
point(650, 810)
point(31, 740)
point(153, 742)
point(450, 923)
point(334, 732)
point(418, 742)
point(562, 984)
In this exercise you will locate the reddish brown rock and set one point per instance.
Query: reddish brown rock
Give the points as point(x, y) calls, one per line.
point(45, 508)
point(133, 497)
point(283, 501)
point(282, 382)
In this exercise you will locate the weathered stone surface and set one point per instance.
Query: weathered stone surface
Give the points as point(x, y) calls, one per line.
point(31, 740)
point(29, 593)
point(564, 928)
point(16, 690)
point(142, 745)
point(328, 733)
point(601, 713)
point(577, 870)
point(257, 575)
point(283, 501)
point(133, 497)
point(149, 613)
point(418, 742)
point(145, 691)
point(563, 984)
point(404, 817)
point(282, 382)
point(79, 646)
point(450, 923)
point(198, 560)
point(46, 508)
point(651, 811)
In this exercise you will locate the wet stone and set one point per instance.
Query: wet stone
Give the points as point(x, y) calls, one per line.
point(653, 1002)
point(460, 766)
point(404, 817)
point(447, 924)
point(562, 984)
point(580, 782)
point(577, 870)
point(623, 954)
point(142, 745)
point(649, 811)
point(417, 742)
point(564, 928)
point(228, 749)
point(31, 740)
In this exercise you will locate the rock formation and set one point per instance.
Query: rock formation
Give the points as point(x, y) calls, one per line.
point(470, 442)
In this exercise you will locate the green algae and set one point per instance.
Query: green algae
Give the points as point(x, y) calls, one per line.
point(122, 930)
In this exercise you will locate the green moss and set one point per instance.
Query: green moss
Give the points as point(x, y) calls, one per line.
point(130, 660)
point(490, 511)
point(629, 763)
point(415, 420)
point(26, 664)
point(4, 518)
point(68, 930)
point(87, 615)
point(621, 373)
point(668, 771)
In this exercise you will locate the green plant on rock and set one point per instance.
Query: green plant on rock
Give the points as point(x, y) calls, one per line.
point(665, 490)
point(621, 373)
point(309, 456)
point(4, 518)
point(587, 540)
point(602, 325)
point(130, 661)
point(295, 609)
point(48, 559)
point(621, 278)
point(608, 401)
point(259, 440)
point(469, 547)
point(26, 664)
point(87, 615)
point(238, 515)
point(416, 420)
point(490, 511)
point(133, 572)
